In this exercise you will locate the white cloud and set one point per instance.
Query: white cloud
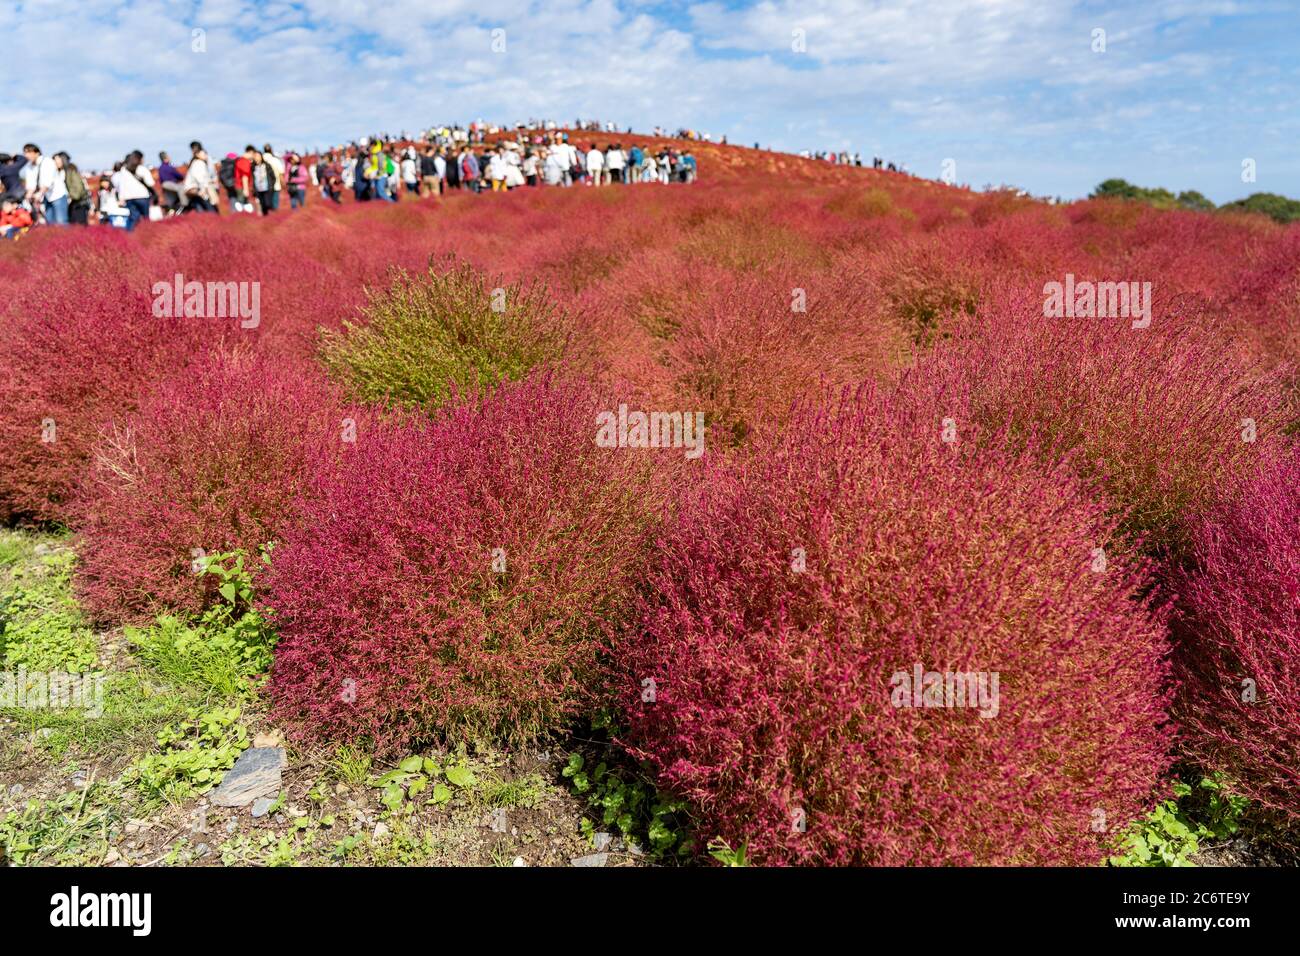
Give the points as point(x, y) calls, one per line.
point(914, 79)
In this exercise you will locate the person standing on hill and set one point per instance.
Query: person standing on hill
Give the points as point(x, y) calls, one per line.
point(296, 180)
point(78, 191)
point(47, 190)
point(362, 188)
point(11, 176)
point(130, 187)
point(429, 178)
point(226, 176)
point(635, 158)
point(469, 169)
point(244, 178)
point(595, 164)
point(263, 179)
point(615, 163)
point(276, 169)
point(135, 162)
point(496, 169)
point(199, 186)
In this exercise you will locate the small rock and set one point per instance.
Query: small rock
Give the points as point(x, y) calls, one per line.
point(111, 857)
point(231, 825)
point(202, 850)
point(519, 861)
point(381, 831)
point(135, 826)
point(591, 859)
point(79, 780)
point(497, 820)
point(341, 788)
point(255, 774)
point(262, 806)
point(41, 550)
point(267, 740)
point(601, 841)
point(15, 790)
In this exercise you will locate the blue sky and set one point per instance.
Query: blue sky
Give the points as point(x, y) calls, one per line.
point(1012, 91)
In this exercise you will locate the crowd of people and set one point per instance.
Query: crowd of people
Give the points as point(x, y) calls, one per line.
point(41, 189)
point(36, 188)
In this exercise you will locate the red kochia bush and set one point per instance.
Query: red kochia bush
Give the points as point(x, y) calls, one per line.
point(78, 344)
point(772, 686)
point(1239, 653)
point(395, 615)
point(1159, 417)
point(217, 459)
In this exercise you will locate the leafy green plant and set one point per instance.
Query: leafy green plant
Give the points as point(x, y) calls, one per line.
point(228, 649)
point(632, 805)
point(41, 627)
point(416, 775)
point(193, 755)
point(351, 764)
point(71, 829)
point(1170, 835)
point(722, 851)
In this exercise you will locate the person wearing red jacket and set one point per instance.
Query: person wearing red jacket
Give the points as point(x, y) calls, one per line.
point(14, 219)
point(245, 196)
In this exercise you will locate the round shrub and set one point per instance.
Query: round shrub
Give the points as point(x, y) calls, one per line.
point(795, 593)
point(459, 578)
point(1158, 418)
point(426, 336)
point(1239, 649)
point(78, 344)
point(215, 459)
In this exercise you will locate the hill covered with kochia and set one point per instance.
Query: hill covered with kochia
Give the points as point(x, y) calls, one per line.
point(910, 461)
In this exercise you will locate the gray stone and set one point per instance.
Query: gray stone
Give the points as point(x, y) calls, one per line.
point(255, 774)
point(262, 806)
point(591, 859)
point(601, 841)
point(498, 821)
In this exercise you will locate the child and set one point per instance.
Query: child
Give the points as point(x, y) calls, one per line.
point(14, 219)
point(111, 211)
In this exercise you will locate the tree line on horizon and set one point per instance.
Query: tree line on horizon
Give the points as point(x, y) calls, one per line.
point(1280, 208)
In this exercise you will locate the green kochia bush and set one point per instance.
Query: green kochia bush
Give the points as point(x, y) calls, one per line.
point(426, 336)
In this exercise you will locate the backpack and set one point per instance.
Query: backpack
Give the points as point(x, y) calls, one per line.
point(227, 173)
point(76, 185)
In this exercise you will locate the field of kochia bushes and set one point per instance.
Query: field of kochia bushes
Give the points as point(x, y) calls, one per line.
point(906, 464)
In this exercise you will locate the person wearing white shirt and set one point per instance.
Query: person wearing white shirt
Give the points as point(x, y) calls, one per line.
point(111, 211)
point(199, 188)
point(47, 190)
point(615, 163)
point(129, 184)
point(553, 167)
point(277, 169)
point(496, 169)
point(595, 165)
